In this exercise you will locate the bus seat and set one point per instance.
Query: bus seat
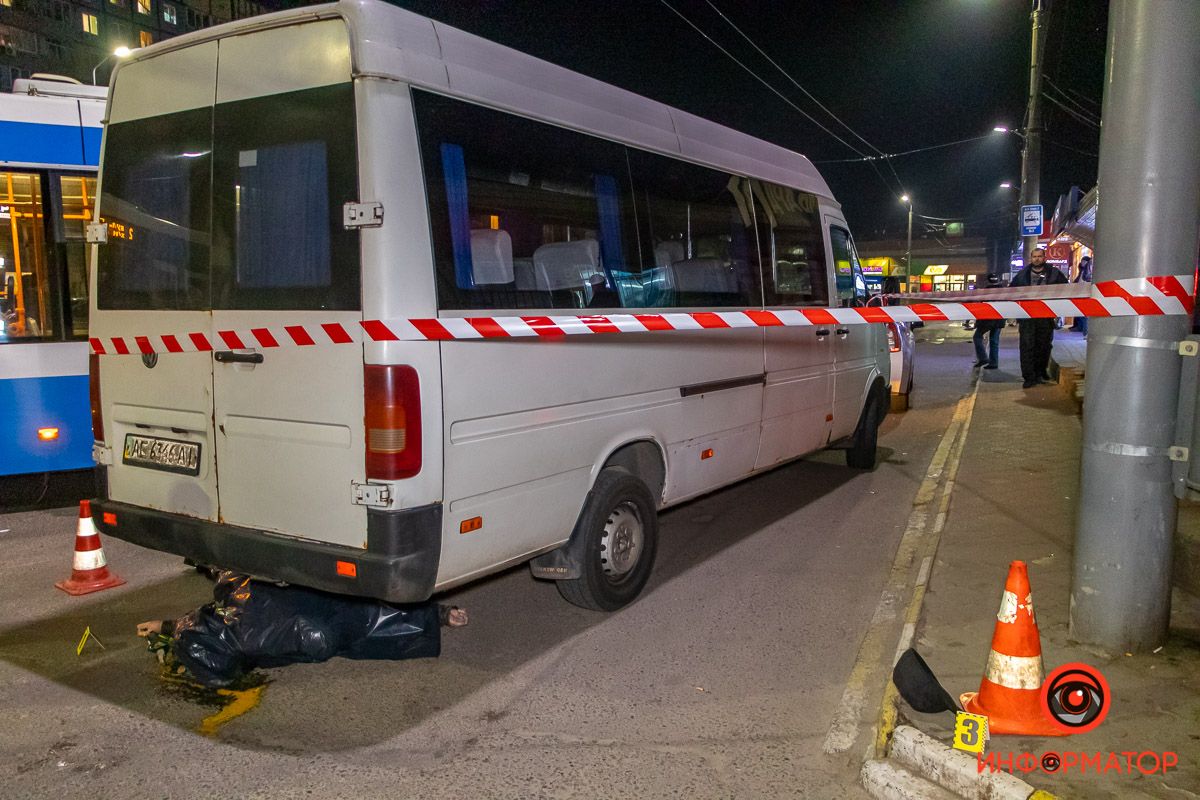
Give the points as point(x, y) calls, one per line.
point(668, 252)
point(523, 272)
point(708, 275)
point(567, 265)
point(491, 257)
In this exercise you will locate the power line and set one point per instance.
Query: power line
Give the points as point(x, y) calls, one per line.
point(795, 83)
point(1069, 112)
point(1069, 147)
point(1089, 112)
point(885, 156)
point(758, 78)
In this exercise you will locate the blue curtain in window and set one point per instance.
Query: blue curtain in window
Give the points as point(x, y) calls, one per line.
point(283, 218)
point(612, 253)
point(454, 167)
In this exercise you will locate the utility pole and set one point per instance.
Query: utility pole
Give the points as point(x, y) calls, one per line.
point(1031, 155)
point(1149, 186)
point(908, 250)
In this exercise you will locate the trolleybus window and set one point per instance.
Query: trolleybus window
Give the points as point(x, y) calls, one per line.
point(28, 294)
point(78, 194)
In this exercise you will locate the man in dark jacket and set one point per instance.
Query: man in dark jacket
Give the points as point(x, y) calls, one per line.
point(989, 357)
point(1036, 334)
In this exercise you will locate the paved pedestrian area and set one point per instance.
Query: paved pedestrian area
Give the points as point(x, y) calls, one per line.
point(1014, 499)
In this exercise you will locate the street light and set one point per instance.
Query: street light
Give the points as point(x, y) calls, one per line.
point(1000, 129)
point(120, 52)
point(904, 198)
point(1006, 185)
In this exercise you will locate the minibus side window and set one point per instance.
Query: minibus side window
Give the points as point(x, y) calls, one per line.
point(156, 195)
point(793, 250)
point(851, 285)
point(698, 235)
point(523, 214)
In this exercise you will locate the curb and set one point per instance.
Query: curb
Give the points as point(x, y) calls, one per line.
point(884, 779)
point(955, 770)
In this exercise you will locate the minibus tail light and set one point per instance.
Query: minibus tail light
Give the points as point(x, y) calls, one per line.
point(393, 421)
point(94, 396)
point(893, 332)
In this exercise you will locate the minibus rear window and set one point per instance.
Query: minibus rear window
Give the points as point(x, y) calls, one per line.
point(285, 165)
point(156, 190)
point(238, 206)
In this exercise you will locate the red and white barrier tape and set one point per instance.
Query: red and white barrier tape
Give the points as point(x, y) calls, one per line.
point(1120, 298)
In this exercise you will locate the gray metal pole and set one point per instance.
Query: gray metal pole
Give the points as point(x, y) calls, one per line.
point(1031, 155)
point(1149, 188)
point(908, 250)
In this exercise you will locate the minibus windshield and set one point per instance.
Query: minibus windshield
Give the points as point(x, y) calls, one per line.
point(235, 206)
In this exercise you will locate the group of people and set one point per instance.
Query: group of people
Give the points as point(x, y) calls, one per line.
point(1036, 335)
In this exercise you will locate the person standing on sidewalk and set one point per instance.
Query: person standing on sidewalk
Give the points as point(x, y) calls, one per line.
point(1036, 335)
point(1085, 276)
point(988, 358)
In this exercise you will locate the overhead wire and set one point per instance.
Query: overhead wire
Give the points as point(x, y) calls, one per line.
point(760, 79)
point(1070, 112)
point(903, 152)
point(1069, 99)
point(897, 190)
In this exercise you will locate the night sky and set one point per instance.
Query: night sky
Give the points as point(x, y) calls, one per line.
point(903, 74)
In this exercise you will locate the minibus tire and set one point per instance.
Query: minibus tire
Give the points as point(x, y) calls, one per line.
point(621, 506)
point(861, 454)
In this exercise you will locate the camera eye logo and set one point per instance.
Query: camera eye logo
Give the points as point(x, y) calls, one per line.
point(1076, 697)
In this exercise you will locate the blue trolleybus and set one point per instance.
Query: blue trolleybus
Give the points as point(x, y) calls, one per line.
point(50, 131)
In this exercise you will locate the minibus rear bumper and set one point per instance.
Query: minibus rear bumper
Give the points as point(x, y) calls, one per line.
point(399, 565)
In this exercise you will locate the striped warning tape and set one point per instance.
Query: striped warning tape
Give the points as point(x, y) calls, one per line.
point(1120, 298)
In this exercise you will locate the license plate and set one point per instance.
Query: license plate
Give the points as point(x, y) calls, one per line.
point(169, 455)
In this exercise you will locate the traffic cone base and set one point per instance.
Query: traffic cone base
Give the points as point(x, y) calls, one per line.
point(1010, 694)
point(89, 568)
point(89, 581)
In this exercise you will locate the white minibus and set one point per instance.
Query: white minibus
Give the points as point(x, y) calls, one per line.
point(355, 161)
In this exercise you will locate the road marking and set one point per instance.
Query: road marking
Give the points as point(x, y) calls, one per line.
point(919, 540)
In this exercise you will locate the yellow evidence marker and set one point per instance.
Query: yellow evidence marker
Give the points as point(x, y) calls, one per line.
point(970, 732)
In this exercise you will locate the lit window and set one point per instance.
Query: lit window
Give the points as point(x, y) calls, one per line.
point(143, 6)
point(91, 24)
point(145, 38)
point(169, 14)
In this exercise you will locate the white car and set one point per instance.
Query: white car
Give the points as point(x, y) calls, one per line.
point(902, 346)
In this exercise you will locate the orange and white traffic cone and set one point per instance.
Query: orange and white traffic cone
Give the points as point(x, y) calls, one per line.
point(1010, 693)
point(89, 569)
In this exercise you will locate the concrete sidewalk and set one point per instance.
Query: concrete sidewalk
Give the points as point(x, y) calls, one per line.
point(1015, 499)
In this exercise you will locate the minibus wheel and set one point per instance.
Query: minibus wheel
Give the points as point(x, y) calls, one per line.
point(618, 534)
point(861, 454)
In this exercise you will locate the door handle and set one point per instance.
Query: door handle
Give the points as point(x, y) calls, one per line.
point(843, 332)
point(230, 357)
point(822, 333)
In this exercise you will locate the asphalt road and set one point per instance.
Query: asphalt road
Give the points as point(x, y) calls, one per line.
point(721, 681)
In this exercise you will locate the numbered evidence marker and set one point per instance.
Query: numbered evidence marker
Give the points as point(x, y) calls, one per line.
point(970, 732)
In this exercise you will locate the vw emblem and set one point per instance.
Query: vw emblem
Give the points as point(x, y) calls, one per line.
point(149, 359)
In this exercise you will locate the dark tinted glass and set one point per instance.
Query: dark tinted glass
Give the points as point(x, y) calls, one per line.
point(851, 286)
point(524, 214)
point(793, 250)
point(698, 235)
point(284, 166)
point(155, 200)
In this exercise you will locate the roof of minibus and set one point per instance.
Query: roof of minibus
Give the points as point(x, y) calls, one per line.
point(391, 42)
